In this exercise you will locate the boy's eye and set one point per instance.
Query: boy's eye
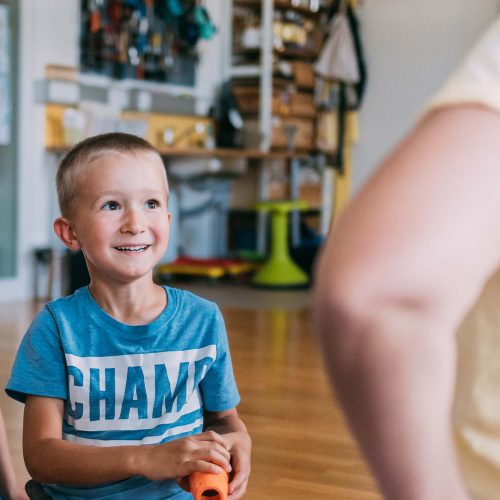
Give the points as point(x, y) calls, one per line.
point(110, 205)
point(152, 203)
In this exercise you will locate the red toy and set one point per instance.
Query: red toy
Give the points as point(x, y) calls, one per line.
point(207, 486)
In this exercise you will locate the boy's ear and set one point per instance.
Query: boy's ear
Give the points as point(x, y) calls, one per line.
point(64, 231)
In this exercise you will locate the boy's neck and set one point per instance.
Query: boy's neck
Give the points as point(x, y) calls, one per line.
point(137, 303)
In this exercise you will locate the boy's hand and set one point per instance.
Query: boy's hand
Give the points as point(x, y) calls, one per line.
point(205, 452)
point(240, 447)
point(18, 494)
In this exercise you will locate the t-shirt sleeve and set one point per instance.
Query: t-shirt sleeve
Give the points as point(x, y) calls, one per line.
point(477, 79)
point(39, 368)
point(218, 387)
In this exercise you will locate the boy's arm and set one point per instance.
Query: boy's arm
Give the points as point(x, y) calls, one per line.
point(8, 483)
point(50, 459)
point(229, 424)
point(398, 273)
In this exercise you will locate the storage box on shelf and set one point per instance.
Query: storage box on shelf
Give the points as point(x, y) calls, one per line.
point(303, 137)
point(162, 130)
point(55, 135)
point(302, 134)
point(303, 75)
point(284, 101)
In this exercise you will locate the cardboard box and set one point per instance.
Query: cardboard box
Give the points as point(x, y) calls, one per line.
point(302, 104)
point(311, 194)
point(303, 74)
point(248, 100)
point(303, 137)
point(284, 101)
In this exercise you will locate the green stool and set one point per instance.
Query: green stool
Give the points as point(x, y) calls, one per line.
point(279, 271)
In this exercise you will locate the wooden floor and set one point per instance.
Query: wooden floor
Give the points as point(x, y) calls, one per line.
point(301, 448)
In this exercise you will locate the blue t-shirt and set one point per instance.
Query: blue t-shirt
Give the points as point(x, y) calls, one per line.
point(127, 385)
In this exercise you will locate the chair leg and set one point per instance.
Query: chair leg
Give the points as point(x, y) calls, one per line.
point(34, 490)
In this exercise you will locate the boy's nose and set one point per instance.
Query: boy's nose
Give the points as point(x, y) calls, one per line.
point(132, 223)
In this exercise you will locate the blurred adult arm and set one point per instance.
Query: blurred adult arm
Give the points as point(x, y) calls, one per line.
point(399, 271)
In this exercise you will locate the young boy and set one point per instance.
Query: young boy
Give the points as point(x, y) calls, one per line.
point(128, 386)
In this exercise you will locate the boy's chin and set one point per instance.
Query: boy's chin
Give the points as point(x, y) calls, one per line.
point(126, 277)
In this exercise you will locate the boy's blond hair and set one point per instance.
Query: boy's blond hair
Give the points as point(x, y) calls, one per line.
point(84, 153)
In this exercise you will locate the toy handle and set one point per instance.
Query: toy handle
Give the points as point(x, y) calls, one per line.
point(208, 486)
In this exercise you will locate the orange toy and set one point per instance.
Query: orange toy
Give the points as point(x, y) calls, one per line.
point(207, 486)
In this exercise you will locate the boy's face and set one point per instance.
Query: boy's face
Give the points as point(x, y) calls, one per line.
point(120, 218)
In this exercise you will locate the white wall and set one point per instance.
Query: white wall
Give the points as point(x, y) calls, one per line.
point(47, 34)
point(410, 49)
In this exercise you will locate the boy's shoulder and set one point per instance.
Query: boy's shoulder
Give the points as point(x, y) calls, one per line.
point(76, 299)
point(185, 298)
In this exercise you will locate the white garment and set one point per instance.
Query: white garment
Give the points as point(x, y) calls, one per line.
point(477, 79)
point(338, 60)
point(476, 413)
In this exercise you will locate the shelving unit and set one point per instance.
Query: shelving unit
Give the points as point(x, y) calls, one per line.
point(259, 90)
point(254, 66)
point(256, 72)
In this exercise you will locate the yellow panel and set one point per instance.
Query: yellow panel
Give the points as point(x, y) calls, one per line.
point(185, 131)
point(342, 189)
point(54, 133)
point(351, 128)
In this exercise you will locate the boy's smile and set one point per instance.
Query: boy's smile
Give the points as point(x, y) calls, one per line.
point(133, 249)
point(120, 219)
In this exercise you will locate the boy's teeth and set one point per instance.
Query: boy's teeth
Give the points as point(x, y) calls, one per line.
point(131, 249)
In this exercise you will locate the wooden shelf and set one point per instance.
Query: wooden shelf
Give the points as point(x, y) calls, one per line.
point(231, 153)
point(278, 4)
point(246, 71)
point(297, 52)
point(286, 52)
point(228, 153)
point(278, 81)
point(281, 114)
point(246, 51)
